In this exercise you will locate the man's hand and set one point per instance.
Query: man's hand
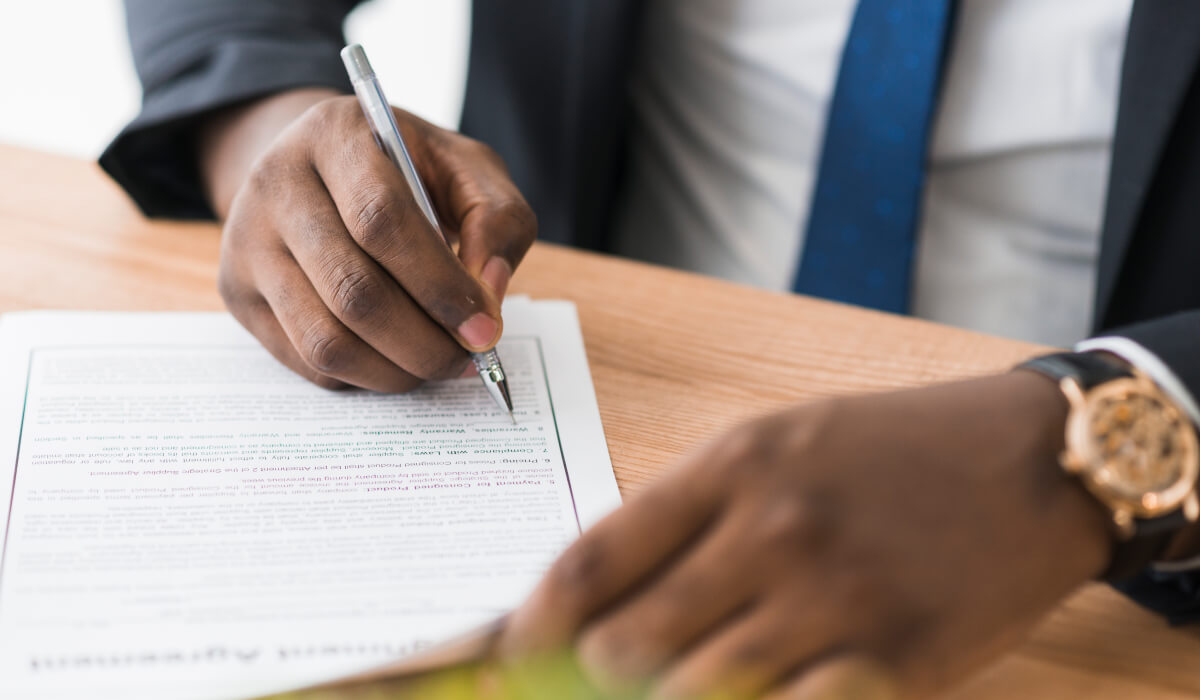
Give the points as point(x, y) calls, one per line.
point(326, 257)
point(894, 541)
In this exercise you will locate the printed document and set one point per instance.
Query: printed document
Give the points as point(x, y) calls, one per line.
point(184, 518)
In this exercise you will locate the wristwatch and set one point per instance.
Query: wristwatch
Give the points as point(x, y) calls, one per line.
point(1132, 448)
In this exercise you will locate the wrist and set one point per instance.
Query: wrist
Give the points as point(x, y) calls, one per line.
point(1081, 524)
point(233, 138)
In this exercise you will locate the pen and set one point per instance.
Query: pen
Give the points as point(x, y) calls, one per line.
point(387, 134)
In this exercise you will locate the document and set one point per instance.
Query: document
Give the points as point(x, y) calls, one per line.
point(184, 518)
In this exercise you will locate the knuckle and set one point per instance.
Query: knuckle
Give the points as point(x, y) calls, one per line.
point(262, 178)
point(229, 287)
point(742, 445)
point(327, 114)
point(482, 151)
point(787, 523)
point(236, 291)
point(814, 424)
point(575, 576)
point(794, 532)
point(376, 218)
point(580, 564)
point(311, 232)
point(777, 441)
point(236, 234)
point(275, 167)
point(327, 352)
point(357, 296)
point(517, 216)
point(316, 118)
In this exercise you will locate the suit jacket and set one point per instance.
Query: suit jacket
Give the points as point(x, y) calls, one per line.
point(548, 90)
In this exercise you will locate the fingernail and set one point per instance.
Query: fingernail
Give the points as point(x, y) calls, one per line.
point(496, 274)
point(479, 330)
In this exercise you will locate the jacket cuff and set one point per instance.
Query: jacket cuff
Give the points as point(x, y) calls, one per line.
point(154, 158)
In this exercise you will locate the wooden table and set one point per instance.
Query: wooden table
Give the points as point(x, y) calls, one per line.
point(675, 357)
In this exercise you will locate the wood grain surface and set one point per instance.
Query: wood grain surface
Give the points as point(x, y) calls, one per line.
point(675, 357)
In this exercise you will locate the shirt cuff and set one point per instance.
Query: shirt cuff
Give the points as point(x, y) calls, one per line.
point(1158, 371)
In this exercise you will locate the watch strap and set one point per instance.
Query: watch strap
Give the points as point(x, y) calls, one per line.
point(1147, 546)
point(1088, 368)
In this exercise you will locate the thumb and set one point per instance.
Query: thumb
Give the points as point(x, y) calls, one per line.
point(493, 239)
point(479, 201)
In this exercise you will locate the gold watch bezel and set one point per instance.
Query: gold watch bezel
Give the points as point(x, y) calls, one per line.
point(1079, 458)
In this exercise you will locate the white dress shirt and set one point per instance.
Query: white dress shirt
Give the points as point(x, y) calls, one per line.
point(730, 99)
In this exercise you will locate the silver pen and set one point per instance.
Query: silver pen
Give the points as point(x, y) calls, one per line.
point(387, 134)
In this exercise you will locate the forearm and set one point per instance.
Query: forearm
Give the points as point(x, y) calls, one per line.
point(232, 139)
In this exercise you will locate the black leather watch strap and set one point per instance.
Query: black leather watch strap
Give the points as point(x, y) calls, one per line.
point(1147, 546)
point(1151, 536)
point(1088, 368)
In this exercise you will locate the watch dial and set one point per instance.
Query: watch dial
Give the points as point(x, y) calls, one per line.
point(1140, 442)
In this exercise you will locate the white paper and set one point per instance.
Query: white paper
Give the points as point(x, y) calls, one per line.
point(188, 519)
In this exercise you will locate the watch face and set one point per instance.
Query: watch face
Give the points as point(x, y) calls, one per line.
point(1141, 450)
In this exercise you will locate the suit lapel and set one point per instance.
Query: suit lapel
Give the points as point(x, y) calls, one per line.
point(1161, 56)
point(603, 44)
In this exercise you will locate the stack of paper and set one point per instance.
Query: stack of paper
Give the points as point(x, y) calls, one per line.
point(188, 519)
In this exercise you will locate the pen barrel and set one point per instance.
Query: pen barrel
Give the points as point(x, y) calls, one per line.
point(382, 121)
point(383, 125)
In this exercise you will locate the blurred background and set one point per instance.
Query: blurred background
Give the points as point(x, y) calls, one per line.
point(83, 89)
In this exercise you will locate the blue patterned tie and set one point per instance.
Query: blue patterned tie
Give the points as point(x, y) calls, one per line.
point(867, 203)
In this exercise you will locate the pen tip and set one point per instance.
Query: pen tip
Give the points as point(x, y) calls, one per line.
point(512, 417)
point(502, 385)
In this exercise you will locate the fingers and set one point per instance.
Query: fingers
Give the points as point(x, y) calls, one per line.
point(482, 206)
point(377, 208)
point(322, 344)
point(753, 652)
point(361, 294)
point(610, 560)
point(841, 678)
point(257, 317)
point(709, 584)
point(496, 226)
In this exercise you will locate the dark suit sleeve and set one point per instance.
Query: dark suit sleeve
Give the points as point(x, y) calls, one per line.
point(194, 56)
point(1175, 340)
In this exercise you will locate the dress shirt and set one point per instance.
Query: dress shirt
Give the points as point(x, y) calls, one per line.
point(730, 98)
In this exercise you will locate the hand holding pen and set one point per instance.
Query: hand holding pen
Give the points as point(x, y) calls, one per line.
point(383, 124)
point(327, 257)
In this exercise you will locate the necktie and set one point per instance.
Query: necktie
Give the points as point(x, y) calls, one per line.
point(867, 202)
